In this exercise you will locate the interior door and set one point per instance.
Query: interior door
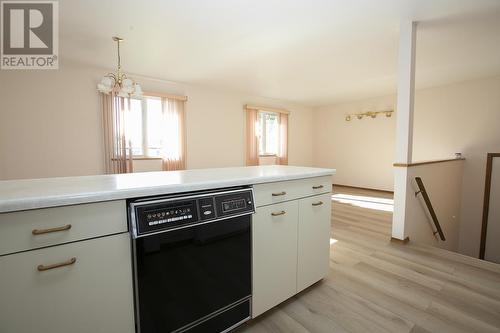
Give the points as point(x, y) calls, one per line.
point(490, 247)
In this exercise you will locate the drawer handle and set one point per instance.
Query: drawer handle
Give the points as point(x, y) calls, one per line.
point(46, 231)
point(319, 203)
point(278, 194)
point(42, 268)
point(317, 187)
point(278, 213)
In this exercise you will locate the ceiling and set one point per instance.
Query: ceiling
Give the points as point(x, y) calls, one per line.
point(313, 52)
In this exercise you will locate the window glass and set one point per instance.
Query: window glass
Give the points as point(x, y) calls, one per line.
point(151, 131)
point(272, 132)
point(154, 135)
point(134, 126)
point(268, 133)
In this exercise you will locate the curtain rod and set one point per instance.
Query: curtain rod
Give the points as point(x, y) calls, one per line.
point(179, 97)
point(267, 109)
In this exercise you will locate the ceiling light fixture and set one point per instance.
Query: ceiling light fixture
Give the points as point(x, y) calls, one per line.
point(371, 114)
point(118, 82)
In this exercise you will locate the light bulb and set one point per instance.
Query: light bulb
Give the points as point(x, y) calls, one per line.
point(122, 93)
point(127, 83)
point(107, 81)
point(104, 89)
point(137, 91)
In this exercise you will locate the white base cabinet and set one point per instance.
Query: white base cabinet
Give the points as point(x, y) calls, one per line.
point(274, 255)
point(313, 257)
point(93, 294)
point(291, 239)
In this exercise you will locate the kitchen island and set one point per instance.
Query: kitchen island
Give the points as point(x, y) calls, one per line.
point(65, 253)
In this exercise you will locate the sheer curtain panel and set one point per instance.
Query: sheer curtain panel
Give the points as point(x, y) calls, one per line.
point(117, 151)
point(282, 157)
point(252, 143)
point(173, 150)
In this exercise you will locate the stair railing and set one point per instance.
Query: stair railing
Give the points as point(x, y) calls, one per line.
point(427, 200)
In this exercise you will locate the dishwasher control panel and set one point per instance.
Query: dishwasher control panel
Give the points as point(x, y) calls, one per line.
point(158, 214)
point(173, 213)
point(207, 208)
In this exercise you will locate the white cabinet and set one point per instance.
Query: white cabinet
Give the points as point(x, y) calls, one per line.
point(31, 229)
point(274, 231)
point(313, 240)
point(91, 293)
point(269, 193)
point(291, 240)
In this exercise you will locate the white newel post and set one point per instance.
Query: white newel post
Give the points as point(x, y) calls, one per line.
point(404, 124)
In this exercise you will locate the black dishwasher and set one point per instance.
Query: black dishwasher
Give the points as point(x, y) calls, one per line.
point(192, 261)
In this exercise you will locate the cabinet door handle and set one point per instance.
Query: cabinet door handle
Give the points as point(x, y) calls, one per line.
point(278, 194)
point(319, 203)
point(46, 231)
point(317, 187)
point(278, 213)
point(42, 268)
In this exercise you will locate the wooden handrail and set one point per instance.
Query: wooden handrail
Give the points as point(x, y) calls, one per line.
point(427, 200)
point(406, 165)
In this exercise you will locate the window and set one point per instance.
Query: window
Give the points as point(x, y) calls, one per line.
point(145, 128)
point(268, 133)
point(150, 128)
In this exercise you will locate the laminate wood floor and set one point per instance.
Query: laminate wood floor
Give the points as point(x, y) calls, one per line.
point(375, 285)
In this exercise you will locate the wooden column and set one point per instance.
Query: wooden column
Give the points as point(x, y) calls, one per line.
point(404, 124)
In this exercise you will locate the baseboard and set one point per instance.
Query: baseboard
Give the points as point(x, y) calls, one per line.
point(400, 241)
point(364, 188)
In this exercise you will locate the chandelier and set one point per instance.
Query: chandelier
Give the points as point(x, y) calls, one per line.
point(118, 82)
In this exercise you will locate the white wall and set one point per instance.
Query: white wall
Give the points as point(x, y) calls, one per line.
point(267, 160)
point(362, 151)
point(443, 184)
point(461, 117)
point(148, 165)
point(50, 123)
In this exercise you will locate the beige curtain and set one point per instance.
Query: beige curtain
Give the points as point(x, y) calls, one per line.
point(117, 153)
point(174, 138)
point(252, 143)
point(282, 157)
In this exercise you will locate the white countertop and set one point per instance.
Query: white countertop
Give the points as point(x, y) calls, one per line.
point(26, 194)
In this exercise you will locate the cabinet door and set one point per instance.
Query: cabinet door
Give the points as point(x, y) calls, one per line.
point(274, 237)
point(91, 293)
point(313, 240)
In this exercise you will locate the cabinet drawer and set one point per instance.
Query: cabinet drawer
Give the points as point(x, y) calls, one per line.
point(313, 239)
point(93, 294)
point(274, 260)
point(269, 193)
point(37, 228)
